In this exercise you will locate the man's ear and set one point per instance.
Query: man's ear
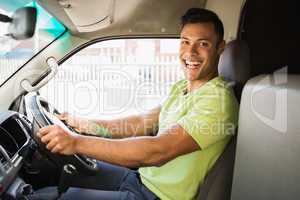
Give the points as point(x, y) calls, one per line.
point(221, 47)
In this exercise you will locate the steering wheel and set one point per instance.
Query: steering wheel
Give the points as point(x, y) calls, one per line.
point(43, 114)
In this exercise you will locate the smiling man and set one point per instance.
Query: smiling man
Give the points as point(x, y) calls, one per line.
point(193, 127)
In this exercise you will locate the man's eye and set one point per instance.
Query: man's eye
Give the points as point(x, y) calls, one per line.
point(203, 44)
point(184, 42)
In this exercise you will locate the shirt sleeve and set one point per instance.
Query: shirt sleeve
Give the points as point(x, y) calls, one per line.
point(210, 119)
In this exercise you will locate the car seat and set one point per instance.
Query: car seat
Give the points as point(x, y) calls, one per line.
point(234, 66)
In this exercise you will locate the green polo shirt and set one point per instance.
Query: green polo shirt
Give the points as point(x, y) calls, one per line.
point(209, 114)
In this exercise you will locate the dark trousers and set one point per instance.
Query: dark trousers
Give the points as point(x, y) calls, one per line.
point(111, 183)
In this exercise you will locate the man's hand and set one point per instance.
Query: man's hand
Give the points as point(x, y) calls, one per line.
point(58, 140)
point(79, 124)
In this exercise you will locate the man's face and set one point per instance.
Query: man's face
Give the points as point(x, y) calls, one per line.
point(199, 51)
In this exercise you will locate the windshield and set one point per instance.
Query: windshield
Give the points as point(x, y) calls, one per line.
point(15, 53)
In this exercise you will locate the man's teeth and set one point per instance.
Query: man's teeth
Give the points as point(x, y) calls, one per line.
point(192, 64)
point(191, 67)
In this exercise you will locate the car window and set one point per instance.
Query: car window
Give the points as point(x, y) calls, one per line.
point(116, 77)
point(15, 53)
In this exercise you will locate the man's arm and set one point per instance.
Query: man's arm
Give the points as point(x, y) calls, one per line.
point(135, 125)
point(129, 152)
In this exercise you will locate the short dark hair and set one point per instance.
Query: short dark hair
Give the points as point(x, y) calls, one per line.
point(201, 15)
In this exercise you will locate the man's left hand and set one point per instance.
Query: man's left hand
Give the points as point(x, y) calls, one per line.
point(58, 140)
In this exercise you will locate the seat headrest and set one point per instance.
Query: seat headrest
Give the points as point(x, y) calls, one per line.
point(234, 64)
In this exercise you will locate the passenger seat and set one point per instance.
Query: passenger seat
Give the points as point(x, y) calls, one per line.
point(267, 164)
point(234, 66)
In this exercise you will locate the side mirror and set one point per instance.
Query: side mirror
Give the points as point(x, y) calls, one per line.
point(22, 23)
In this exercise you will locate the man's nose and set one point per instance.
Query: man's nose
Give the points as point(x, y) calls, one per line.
point(192, 50)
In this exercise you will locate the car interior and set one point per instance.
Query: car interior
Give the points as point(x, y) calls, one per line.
point(259, 62)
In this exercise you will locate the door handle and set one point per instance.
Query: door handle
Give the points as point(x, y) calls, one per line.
point(53, 65)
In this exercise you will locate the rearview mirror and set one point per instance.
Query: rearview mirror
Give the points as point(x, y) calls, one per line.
point(22, 23)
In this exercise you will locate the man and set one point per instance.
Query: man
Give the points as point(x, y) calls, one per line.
point(194, 125)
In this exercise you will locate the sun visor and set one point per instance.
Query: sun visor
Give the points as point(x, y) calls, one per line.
point(91, 15)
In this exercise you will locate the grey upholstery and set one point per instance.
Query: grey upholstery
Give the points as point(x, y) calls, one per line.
point(217, 185)
point(267, 164)
point(234, 66)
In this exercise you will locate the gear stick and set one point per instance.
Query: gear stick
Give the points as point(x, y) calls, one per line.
point(67, 173)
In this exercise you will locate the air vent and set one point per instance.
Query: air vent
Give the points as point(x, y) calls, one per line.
point(3, 164)
point(26, 119)
point(4, 160)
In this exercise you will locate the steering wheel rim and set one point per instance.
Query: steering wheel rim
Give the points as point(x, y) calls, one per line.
point(37, 106)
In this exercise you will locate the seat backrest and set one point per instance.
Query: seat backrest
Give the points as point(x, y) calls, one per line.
point(234, 66)
point(267, 160)
point(217, 184)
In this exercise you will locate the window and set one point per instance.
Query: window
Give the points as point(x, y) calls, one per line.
point(15, 53)
point(116, 78)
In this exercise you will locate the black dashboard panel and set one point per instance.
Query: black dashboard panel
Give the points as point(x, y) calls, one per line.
point(14, 132)
point(14, 138)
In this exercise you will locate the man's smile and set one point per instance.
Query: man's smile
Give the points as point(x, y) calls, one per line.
point(195, 64)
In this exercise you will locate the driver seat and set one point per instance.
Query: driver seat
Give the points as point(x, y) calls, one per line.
point(234, 66)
